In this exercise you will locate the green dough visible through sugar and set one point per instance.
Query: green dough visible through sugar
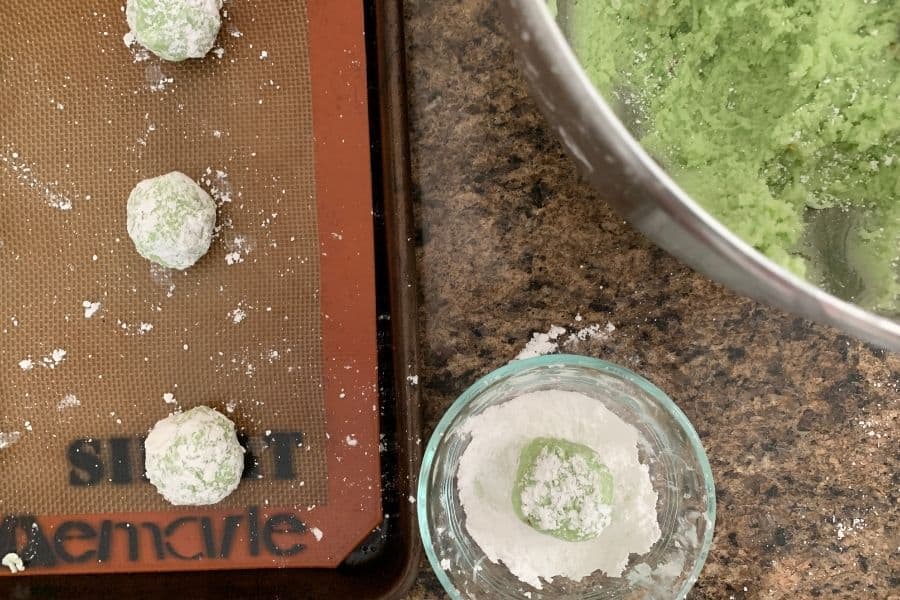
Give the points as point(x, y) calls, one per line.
point(563, 489)
point(175, 30)
point(194, 458)
point(171, 220)
point(767, 113)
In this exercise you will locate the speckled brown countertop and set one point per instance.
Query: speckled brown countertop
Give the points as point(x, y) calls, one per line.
point(800, 422)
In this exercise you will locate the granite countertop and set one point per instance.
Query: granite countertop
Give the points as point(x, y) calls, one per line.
point(800, 422)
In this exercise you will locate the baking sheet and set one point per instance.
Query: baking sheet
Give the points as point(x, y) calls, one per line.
point(275, 326)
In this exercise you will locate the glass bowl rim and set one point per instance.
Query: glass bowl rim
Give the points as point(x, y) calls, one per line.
point(517, 367)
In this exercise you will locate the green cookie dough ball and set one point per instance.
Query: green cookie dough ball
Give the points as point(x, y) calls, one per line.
point(562, 489)
point(194, 458)
point(171, 220)
point(175, 30)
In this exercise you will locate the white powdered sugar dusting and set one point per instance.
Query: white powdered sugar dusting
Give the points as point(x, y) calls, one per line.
point(51, 361)
point(68, 401)
point(7, 439)
point(25, 174)
point(485, 485)
point(552, 341)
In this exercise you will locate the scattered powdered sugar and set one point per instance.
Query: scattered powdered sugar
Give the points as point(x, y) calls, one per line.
point(24, 173)
point(7, 439)
point(247, 360)
point(844, 529)
point(141, 328)
point(217, 184)
point(550, 342)
point(486, 478)
point(351, 441)
point(238, 248)
point(163, 277)
point(51, 361)
point(156, 79)
point(169, 398)
point(138, 52)
point(591, 332)
point(317, 533)
point(541, 343)
point(68, 401)
point(90, 308)
point(142, 140)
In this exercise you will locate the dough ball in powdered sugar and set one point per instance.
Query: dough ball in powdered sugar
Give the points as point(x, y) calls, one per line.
point(171, 220)
point(194, 457)
point(175, 30)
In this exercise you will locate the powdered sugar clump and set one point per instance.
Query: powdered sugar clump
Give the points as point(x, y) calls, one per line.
point(542, 343)
point(90, 308)
point(13, 562)
point(68, 401)
point(7, 439)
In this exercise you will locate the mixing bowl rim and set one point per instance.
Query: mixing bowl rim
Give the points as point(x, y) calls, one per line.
point(531, 24)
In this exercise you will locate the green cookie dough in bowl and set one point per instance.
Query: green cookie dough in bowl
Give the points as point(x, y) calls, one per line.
point(781, 118)
point(175, 30)
point(171, 220)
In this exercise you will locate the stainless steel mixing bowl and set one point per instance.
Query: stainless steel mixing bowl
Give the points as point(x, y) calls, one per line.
point(647, 197)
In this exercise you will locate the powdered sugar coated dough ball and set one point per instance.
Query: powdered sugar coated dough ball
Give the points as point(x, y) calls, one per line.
point(194, 458)
point(175, 30)
point(171, 220)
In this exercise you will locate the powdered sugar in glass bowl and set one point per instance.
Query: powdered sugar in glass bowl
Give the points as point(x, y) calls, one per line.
point(667, 444)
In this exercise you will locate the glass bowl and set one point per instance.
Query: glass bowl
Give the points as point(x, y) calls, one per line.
point(669, 446)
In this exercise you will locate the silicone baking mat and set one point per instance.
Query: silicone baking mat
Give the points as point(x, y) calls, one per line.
point(275, 326)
